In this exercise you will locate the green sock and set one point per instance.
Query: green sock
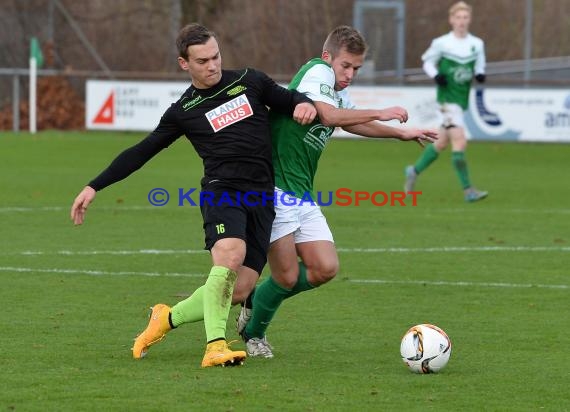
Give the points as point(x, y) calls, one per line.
point(267, 299)
point(189, 310)
point(302, 283)
point(217, 295)
point(427, 157)
point(460, 165)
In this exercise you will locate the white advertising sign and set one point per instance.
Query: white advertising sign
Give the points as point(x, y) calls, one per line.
point(541, 115)
point(494, 114)
point(126, 105)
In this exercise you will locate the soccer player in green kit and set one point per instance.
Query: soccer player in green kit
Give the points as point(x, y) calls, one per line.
point(452, 60)
point(302, 254)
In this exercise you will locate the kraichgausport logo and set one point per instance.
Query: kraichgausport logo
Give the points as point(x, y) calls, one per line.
point(340, 197)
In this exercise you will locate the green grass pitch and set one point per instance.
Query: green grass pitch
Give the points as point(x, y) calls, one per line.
point(494, 275)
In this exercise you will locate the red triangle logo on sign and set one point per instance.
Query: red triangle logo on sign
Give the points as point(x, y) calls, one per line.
point(106, 114)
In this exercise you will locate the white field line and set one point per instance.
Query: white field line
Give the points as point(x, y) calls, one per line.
point(431, 211)
point(445, 249)
point(97, 272)
point(442, 249)
point(564, 211)
point(367, 281)
point(20, 209)
point(111, 252)
point(460, 283)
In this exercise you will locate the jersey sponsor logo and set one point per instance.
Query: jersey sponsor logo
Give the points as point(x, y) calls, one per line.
point(318, 136)
point(462, 74)
point(236, 90)
point(192, 102)
point(326, 90)
point(229, 113)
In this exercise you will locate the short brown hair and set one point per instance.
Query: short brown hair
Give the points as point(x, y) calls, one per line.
point(190, 35)
point(460, 5)
point(345, 37)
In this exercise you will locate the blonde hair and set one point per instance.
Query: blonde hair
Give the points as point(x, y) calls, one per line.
point(345, 37)
point(460, 5)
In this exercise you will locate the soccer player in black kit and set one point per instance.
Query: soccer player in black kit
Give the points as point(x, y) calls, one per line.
point(224, 114)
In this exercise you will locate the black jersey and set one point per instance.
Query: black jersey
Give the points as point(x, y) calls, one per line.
point(227, 124)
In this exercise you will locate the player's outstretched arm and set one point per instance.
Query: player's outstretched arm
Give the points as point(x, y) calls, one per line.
point(380, 130)
point(80, 204)
point(335, 117)
point(421, 136)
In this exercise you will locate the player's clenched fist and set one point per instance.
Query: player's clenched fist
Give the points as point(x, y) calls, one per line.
point(393, 113)
point(304, 113)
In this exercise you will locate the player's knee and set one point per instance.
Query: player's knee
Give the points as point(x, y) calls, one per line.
point(441, 145)
point(459, 146)
point(323, 273)
point(233, 261)
point(287, 279)
point(227, 255)
point(241, 292)
point(329, 271)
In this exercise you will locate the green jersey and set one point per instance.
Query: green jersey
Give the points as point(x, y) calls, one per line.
point(297, 148)
point(458, 59)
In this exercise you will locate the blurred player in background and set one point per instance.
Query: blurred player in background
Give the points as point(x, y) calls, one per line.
point(224, 115)
point(300, 229)
point(452, 60)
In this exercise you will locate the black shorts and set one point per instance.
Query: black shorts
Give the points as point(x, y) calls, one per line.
point(229, 213)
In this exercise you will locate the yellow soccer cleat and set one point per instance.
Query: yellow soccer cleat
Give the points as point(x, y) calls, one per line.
point(218, 353)
point(158, 326)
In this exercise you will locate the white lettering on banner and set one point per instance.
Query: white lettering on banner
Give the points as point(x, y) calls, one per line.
point(229, 113)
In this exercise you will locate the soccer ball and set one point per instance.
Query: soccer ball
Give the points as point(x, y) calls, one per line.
point(425, 349)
